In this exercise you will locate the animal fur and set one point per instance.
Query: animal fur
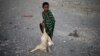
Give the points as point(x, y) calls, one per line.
point(45, 44)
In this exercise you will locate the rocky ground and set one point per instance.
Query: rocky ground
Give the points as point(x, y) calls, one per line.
point(19, 27)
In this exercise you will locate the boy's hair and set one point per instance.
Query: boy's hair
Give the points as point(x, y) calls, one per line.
point(45, 3)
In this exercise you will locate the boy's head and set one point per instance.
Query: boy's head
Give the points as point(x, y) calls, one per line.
point(45, 6)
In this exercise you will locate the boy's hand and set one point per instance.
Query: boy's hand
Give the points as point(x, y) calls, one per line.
point(42, 23)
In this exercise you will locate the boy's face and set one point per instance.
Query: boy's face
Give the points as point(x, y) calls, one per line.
point(46, 8)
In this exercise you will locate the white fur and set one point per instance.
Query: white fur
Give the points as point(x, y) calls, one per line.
point(46, 42)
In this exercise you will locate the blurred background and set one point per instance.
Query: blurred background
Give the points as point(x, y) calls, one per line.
point(19, 27)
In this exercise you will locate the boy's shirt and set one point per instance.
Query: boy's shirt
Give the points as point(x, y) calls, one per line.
point(48, 17)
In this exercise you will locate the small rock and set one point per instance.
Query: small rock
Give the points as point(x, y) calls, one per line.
point(72, 50)
point(64, 41)
point(28, 16)
point(74, 34)
point(62, 5)
point(17, 52)
point(10, 23)
point(4, 44)
point(71, 39)
point(15, 26)
point(27, 28)
point(5, 52)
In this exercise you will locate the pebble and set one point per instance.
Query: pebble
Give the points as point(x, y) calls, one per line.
point(64, 41)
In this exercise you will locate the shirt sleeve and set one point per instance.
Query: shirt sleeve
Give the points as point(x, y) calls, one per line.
point(44, 17)
point(51, 16)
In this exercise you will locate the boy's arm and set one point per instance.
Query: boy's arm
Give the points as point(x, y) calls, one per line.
point(42, 16)
point(43, 21)
point(51, 16)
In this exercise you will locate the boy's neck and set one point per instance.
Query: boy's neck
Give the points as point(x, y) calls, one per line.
point(46, 11)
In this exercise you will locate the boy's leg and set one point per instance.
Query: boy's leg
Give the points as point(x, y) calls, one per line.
point(50, 34)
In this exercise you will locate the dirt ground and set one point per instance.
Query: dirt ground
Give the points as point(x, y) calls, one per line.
point(19, 27)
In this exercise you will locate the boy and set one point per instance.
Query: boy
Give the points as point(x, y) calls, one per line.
point(48, 20)
point(48, 23)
